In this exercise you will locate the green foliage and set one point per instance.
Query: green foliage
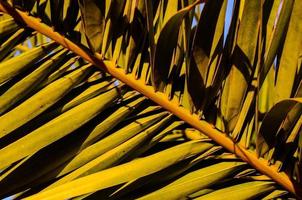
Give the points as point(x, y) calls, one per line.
point(69, 130)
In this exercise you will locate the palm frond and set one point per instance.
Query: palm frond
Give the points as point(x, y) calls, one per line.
point(70, 130)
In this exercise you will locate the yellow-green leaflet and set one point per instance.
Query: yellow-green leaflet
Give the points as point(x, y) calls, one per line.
point(56, 154)
point(153, 141)
point(275, 194)
point(98, 99)
point(110, 122)
point(125, 172)
point(164, 175)
point(29, 82)
point(76, 97)
point(111, 142)
point(15, 65)
point(13, 40)
point(113, 156)
point(241, 72)
point(276, 35)
point(7, 26)
point(249, 99)
point(194, 181)
point(89, 93)
point(249, 190)
point(40, 101)
point(56, 128)
point(58, 73)
point(159, 177)
point(291, 53)
point(199, 193)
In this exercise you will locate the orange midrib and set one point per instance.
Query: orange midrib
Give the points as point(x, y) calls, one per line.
point(161, 99)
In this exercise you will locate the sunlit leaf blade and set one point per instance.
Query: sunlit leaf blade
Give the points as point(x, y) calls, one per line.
point(245, 86)
point(113, 156)
point(67, 66)
point(243, 64)
point(275, 194)
point(291, 52)
point(16, 65)
point(266, 94)
point(54, 130)
point(244, 115)
point(125, 172)
point(270, 15)
point(111, 142)
point(7, 26)
point(40, 101)
point(242, 191)
point(275, 40)
point(12, 41)
point(161, 177)
point(82, 94)
point(28, 83)
point(46, 161)
point(195, 181)
point(109, 123)
point(153, 141)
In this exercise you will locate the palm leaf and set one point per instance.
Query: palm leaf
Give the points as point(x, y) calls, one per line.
point(73, 124)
